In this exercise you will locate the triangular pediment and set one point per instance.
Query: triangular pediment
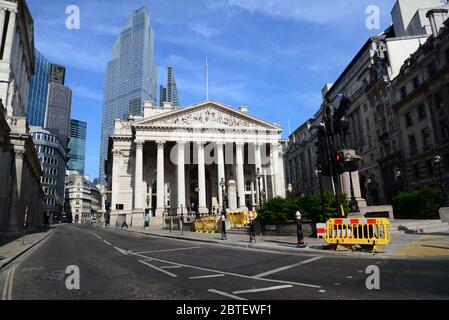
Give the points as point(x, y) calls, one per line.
point(208, 114)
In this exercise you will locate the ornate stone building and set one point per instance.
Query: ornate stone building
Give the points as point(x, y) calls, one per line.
point(20, 188)
point(174, 159)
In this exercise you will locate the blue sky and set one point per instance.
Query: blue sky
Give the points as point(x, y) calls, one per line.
point(271, 55)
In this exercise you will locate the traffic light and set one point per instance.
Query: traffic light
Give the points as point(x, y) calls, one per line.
point(339, 163)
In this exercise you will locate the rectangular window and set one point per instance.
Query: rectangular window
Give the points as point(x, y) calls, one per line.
point(447, 56)
point(444, 127)
point(416, 169)
point(422, 112)
point(403, 92)
point(412, 144)
point(427, 139)
point(438, 100)
point(416, 83)
point(408, 120)
point(431, 69)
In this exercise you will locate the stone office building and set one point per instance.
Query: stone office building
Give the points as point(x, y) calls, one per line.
point(176, 158)
point(20, 172)
point(422, 105)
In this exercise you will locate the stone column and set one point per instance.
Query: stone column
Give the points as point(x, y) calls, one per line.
point(281, 189)
point(202, 206)
point(5, 165)
point(160, 178)
point(10, 36)
point(116, 157)
point(181, 178)
point(240, 176)
point(2, 23)
point(17, 206)
point(275, 168)
point(346, 187)
point(138, 182)
point(232, 196)
point(221, 172)
point(258, 160)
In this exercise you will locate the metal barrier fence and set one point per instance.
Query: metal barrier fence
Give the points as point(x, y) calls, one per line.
point(206, 225)
point(240, 218)
point(367, 233)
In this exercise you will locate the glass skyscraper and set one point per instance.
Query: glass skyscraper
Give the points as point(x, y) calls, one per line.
point(37, 96)
point(169, 93)
point(131, 77)
point(77, 146)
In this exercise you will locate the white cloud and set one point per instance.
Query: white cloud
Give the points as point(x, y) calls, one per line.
point(87, 93)
point(204, 30)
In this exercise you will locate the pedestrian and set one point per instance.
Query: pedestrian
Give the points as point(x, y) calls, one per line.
point(299, 231)
point(223, 227)
point(252, 228)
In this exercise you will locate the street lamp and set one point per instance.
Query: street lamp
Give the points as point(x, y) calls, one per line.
point(259, 177)
point(436, 162)
point(223, 195)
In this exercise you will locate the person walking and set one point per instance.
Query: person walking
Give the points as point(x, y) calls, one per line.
point(252, 228)
point(223, 227)
point(299, 231)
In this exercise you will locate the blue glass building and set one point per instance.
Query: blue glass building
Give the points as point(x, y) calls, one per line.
point(37, 96)
point(131, 77)
point(77, 146)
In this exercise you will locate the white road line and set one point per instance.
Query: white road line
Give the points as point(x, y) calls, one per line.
point(121, 251)
point(171, 267)
point(264, 289)
point(222, 272)
point(158, 269)
point(226, 294)
point(107, 242)
point(11, 282)
point(286, 267)
point(6, 285)
point(210, 276)
point(169, 250)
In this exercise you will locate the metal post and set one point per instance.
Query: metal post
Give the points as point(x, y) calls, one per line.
point(181, 225)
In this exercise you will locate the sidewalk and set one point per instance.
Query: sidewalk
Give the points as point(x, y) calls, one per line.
point(12, 247)
point(401, 246)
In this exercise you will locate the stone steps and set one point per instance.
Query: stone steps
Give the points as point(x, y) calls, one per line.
point(418, 226)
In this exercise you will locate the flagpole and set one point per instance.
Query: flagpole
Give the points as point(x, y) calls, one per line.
point(207, 80)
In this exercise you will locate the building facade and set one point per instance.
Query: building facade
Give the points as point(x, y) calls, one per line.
point(37, 97)
point(82, 198)
point(20, 188)
point(421, 93)
point(174, 159)
point(375, 131)
point(131, 77)
point(53, 159)
point(77, 146)
point(58, 111)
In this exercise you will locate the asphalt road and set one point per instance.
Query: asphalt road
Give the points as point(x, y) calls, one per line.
point(126, 266)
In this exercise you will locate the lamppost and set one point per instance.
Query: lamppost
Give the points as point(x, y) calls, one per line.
point(259, 177)
point(223, 195)
point(436, 162)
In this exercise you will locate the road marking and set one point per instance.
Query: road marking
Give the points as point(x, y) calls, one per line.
point(158, 269)
point(107, 242)
point(226, 273)
point(171, 267)
point(121, 251)
point(226, 294)
point(210, 276)
point(264, 289)
point(287, 267)
point(169, 250)
point(7, 290)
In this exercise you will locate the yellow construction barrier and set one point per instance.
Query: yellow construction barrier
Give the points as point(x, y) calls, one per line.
point(240, 218)
point(206, 225)
point(367, 233)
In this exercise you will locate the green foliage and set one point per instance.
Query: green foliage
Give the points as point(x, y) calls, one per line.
point(281, 210)
point(420, 204)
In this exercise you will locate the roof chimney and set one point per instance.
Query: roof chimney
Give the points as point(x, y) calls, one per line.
point(436, 18)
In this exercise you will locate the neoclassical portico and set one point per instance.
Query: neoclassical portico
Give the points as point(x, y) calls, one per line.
point(174, 159)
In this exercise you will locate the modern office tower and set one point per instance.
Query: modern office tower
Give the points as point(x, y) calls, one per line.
point(59, 105)
point(53, 159)
point(162, 96)
point(169, 93)
point(57, 74)
point(77, 146)
point(131, 77)
point(172, 90)
point(37, 95)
